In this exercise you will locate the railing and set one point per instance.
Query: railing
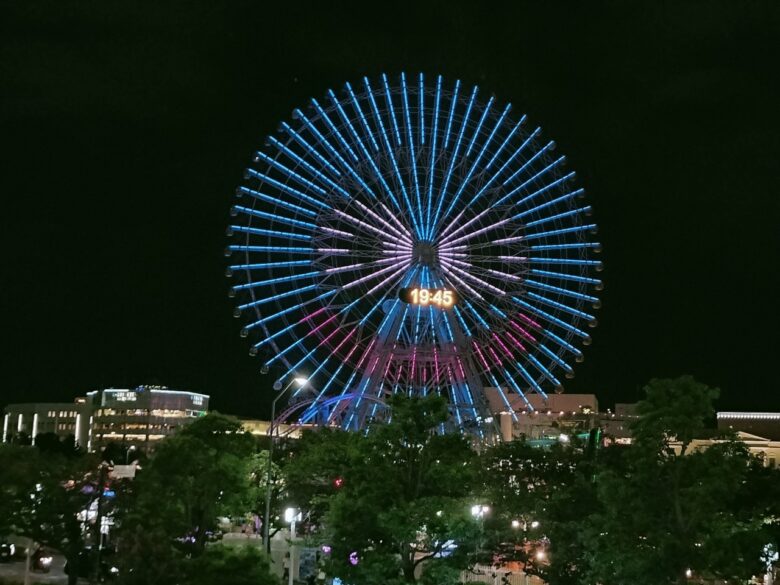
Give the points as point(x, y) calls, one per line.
point(494, 576)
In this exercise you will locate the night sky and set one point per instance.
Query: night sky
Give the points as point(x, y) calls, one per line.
point(125, 128)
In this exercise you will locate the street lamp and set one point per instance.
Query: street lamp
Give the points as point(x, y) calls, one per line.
point(479, 511)
point(291, 516)
point(301, 382)
point(127, 454)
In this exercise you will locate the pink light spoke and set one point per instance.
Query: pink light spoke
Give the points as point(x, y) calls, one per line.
point(481, 214)
point(516, 341)
point(452, 276)
point(481, 357)
point(358, 222)
point(388, 279)
point(403, 235)
point(530, 321)
point(465, 274)
point(481, 231)
point(522, 331)
point(504, 347)
point(393, 216)
point(509, 240)
point(452, 223)
point(369, 277)
point(336, 232)
point(505, 275)
point(495, 355)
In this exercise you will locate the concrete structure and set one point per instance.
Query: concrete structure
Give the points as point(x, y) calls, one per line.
point(138, 416)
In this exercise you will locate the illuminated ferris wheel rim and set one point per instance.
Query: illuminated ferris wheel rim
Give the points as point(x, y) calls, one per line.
point(375, 199)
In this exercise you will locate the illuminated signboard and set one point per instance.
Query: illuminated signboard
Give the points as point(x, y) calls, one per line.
point(442, 298)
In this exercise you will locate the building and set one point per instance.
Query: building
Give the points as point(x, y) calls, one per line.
point(762, 424)
point(137, 416)
point(64, 419)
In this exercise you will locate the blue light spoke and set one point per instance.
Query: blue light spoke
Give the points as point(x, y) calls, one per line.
point(568, 261)
point(453, 103)
point(568, 277)
point(475, 164)
point(504, 166)
point(266, 265)
point(562, 342)
point(329, 147)
point(377, 172)
point(509, 137)
point(571, 230)
point(448, 176)
point(309, 148)
point(275, 218)
point(535, 178)
point(329, 123)
point(393, 161)
point(552, 202)
point(300, 179)
point(286, 249)
point(408, 121)
point(288, 310)
point(276, 201)
point(476, 314)
point(553, 319)
point(277, 297)
point(293, 156)
point(287, 189)
point(547, 373)
point(516, 388)
point(529, 379)
point(391, 110)
point(577, 246)
point(432, 161)
point(271, 233)
point(478, 129)
point(364, 123)
point(563, 307)
point(581, 211)
point(292, 278)
point(501, 393)
point(462, 322)
point(563, 291)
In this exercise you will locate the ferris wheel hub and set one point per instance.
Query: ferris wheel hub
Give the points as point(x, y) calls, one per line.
point(425, 253)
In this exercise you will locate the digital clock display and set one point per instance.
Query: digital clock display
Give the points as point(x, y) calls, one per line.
point(443, 298)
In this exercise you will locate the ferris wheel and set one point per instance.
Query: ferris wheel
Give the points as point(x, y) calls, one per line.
point(411, 236)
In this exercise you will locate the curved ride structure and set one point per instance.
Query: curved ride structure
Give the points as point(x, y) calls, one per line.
point(412, 235)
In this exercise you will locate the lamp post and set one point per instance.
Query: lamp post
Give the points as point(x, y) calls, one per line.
point(127, 454)
point(291, 515)
point(479, 511)
point(267, 518)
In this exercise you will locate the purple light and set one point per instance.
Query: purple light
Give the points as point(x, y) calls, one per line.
point(522, 331)
point(353, 558)
point(326, 549)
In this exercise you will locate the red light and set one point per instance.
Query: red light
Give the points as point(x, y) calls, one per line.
point(338, 482)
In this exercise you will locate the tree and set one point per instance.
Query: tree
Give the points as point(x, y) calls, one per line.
point(668, 508)
point(538, 498)
point(239, 565)
point(394, 502)
point(196, 475)
point(43, 493)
